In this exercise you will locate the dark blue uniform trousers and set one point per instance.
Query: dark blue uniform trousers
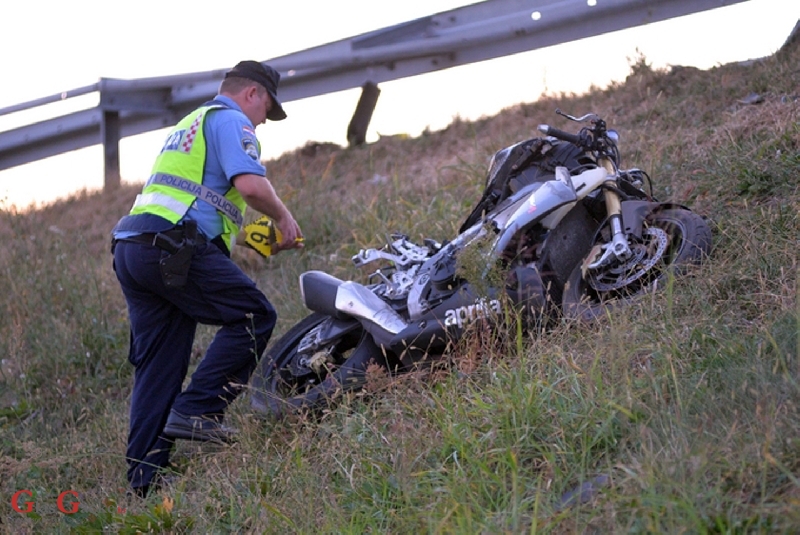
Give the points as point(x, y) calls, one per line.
point(163, 323)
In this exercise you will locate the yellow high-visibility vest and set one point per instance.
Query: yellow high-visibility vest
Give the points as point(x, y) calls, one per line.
point(176, 179)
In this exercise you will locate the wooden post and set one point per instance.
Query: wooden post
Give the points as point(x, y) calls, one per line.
point(357, 129)
point(109, 136)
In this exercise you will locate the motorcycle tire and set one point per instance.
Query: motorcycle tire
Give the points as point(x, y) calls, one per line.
point(688, 242)
point(276, 391)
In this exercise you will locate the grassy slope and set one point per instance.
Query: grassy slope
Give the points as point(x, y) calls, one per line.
point(686, 404)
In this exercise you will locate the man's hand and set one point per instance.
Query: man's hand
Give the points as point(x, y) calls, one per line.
point(289, 234)
point(259, 194)
point(266, 238)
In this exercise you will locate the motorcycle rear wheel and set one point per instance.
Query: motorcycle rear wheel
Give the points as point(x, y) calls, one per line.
point(277, 391)
point(688, 242)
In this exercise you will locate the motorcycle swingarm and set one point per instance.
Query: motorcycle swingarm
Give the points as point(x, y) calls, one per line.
point(326, 332)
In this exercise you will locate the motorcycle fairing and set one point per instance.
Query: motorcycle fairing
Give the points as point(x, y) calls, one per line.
point(634, 214)
point(445, 322)
point(531, 204)
point(519, 165)
point(493, 190)
point(417, 302)
point(448, 321)
point(586, 182)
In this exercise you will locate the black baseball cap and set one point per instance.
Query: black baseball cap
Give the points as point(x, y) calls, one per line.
point(267, 77)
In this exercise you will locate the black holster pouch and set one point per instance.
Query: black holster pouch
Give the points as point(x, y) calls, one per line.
point(180, 246)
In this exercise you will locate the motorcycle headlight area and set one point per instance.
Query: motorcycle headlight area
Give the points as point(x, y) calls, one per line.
point(497, 161)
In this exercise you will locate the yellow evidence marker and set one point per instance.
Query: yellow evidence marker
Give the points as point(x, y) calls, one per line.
point(262, 235)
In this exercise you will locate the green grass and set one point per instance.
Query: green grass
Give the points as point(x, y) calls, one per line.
point(682, 410)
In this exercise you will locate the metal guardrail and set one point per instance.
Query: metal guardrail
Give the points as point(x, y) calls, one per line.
point(477, 32)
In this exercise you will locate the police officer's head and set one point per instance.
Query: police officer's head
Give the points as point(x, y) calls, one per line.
point(242, 76)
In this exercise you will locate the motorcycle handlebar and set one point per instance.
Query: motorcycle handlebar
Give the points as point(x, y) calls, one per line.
point(560, 134)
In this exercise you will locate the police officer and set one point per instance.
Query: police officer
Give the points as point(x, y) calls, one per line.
point(172, 259)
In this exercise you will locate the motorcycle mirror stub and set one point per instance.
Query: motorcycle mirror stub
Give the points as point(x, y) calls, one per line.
point(562, 174)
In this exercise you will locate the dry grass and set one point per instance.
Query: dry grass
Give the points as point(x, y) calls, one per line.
point(688, 402)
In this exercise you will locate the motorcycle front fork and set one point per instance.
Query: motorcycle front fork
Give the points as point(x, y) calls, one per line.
point(618, 248)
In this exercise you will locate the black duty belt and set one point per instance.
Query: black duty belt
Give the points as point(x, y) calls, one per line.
point(173, 239)
point(168, 240)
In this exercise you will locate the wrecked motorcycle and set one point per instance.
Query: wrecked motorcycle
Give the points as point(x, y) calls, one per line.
point(569, 232)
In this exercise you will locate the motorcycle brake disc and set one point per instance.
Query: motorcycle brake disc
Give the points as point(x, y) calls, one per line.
point(644, 258)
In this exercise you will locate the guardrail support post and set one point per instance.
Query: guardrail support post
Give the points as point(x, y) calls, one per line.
point(357, 129)
point(109, 134)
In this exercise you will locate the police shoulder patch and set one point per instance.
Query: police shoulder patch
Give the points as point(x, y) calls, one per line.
point(250, 148)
